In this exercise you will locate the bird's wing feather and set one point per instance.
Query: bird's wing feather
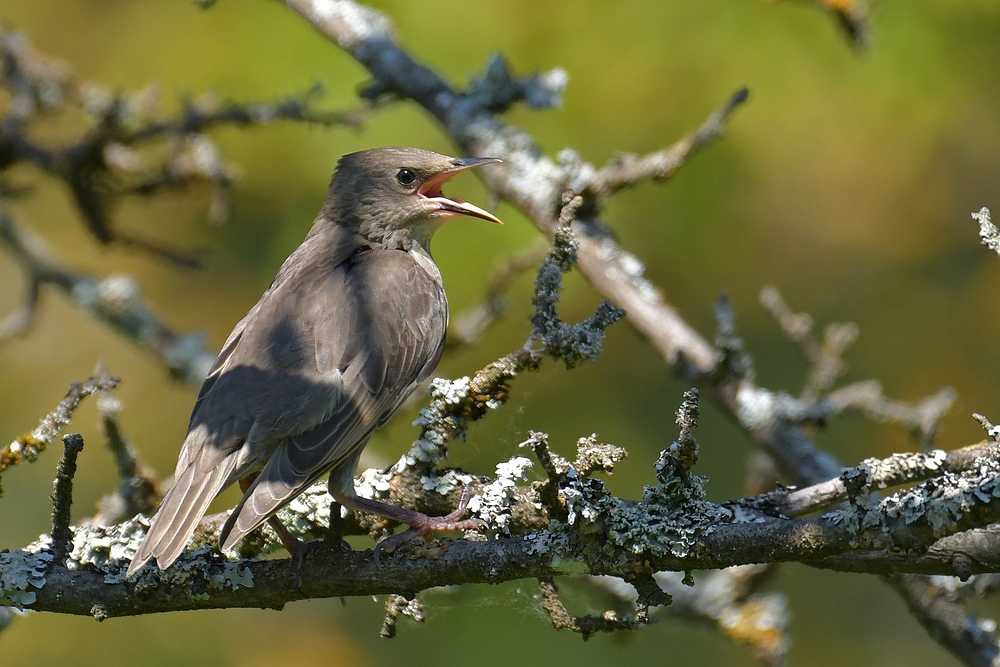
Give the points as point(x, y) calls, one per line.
point(382, 333)
point(256, 380)
point(254, 384)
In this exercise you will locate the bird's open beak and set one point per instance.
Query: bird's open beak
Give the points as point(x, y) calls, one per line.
point(431, 190)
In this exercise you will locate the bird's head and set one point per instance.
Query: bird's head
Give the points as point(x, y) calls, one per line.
point(394, 194)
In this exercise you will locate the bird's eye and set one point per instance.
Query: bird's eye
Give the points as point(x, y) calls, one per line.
point(405, 176)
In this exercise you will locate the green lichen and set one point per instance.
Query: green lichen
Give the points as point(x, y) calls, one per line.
point(307, 516)
point(665, 522)
point(108, 549)
point(233, 575)
point(592, 455)
point(195, 571)
point(940, 503)
point(900, 468)
point(21, 571)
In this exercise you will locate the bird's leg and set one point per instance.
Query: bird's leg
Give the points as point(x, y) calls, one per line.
point(295, 547)
point(338, 524)
point(419, 523)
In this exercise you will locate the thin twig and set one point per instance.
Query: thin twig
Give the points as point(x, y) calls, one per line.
point(469, 326)
point(62, 498)
point(138, 490)
point(400, 605)
point(28, 446)
point(587, 626)
point(625, 170)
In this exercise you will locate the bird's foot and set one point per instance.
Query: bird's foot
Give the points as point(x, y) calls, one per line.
point(419, 523)
point(295, 565)
point(295, 547)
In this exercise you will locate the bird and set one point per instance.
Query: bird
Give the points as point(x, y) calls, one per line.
point(354, 320)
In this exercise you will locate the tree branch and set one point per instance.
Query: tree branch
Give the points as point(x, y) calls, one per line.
point(623, 547)
point(115, 300)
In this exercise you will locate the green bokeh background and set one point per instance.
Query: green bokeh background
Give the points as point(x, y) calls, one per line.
point(847, 181)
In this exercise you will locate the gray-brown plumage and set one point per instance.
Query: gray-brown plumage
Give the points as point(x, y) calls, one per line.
point(354, 320)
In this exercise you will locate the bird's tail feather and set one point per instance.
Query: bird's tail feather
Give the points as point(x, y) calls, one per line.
point(277, 484)
point(182, 508)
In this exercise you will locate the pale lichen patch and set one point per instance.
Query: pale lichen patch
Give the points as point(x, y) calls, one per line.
point(492, 502)
point(109, 549)
point(21, 571)
point(233, 575)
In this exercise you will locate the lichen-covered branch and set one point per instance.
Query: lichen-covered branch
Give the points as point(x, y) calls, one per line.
point(62, 498)
point(601, 535)
point(570, 343)
point(581, 528)
point(896, 470)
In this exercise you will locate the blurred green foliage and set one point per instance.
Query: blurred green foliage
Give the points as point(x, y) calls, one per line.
point(847, 181)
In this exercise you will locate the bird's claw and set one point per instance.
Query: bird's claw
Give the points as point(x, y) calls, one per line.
point(295, 564)
point(425, 526)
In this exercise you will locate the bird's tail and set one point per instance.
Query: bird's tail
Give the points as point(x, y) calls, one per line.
point(278, 483)
point(182, 508)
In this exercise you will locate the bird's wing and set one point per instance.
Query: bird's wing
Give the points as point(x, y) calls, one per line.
point(255, 385)
point(264, 374)
point(381, 330)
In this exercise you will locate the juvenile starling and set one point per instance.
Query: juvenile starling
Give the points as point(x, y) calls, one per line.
point(354, 320)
